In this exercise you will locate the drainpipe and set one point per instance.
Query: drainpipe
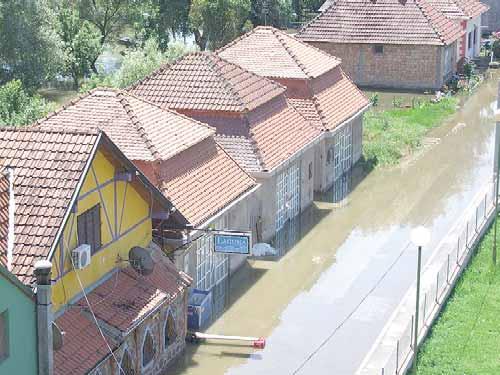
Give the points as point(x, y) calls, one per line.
point(11, 211)
point(44, 317)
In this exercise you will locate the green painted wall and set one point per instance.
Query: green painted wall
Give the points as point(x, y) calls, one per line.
point(22, 358)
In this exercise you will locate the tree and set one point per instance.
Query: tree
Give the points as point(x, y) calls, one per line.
point(277, 13)
point(17, 107)
point(108, 16)
point(29, 46)
point(80, 41)
point(137, 65)
point(214, 23)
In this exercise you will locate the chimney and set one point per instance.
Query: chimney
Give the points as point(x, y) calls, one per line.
point(43, 273)
point(12, 210)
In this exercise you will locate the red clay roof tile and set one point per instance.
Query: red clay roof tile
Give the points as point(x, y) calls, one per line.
point(460, 9)
point(41, 159)
point(269, 52)
point(381, 21)
point(205, 82)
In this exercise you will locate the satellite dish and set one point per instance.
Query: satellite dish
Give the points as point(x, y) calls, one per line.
point(57, 337)
point(140, 259)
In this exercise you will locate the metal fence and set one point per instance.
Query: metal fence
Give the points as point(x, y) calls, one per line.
point(434, 294)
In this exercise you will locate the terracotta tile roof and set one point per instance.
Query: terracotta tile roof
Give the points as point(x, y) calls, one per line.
point(203, 81)
point(121, 302)
point(136, 296)
point(4, 216)
point(460, 9)
point(279, 137)
point(203, 180)
point(242, 150)
point(381, 21)
point(337, 103)
point(83, 346)
point(47, 166)
point(142, 130)
point(269, 52)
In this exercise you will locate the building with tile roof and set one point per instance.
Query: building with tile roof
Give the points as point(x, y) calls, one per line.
point(401, 44)
point(182, 158)
point(468, 15)
point(78, 202)
point(255, 122)
point(316, 86)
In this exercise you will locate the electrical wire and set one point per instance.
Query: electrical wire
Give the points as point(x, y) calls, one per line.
point(344, 321)
point(95, 318)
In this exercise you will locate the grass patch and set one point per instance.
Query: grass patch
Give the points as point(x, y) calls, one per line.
point(466, 338)
point(389, 135)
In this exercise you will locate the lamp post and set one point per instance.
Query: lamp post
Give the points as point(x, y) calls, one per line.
point(419, 237)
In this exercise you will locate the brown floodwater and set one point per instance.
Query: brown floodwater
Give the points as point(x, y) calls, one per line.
point(323, 303)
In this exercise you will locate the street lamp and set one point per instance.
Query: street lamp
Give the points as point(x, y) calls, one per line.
point(420, 237)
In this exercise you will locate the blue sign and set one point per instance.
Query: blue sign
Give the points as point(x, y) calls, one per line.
point(233, 242)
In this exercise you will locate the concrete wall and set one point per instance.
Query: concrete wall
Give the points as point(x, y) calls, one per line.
point(22, 337)
point(399, 66)
point(473, 47)
point(155, 325)
point(491, 19)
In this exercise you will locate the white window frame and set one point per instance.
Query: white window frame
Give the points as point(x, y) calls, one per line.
point(147, 331)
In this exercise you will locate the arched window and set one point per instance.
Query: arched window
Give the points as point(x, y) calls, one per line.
point(126, 364)
point(170, 333)
point(148, 349)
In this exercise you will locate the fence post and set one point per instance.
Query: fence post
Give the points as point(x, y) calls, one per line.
point(397, 357)
point(425, 309)
point(412, 325)
point(467, 235)
point(476, 218)
point(485, 204)
point(448, 270)
point(437, 287)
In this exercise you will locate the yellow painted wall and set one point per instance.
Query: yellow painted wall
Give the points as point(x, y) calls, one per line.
point(135, 210)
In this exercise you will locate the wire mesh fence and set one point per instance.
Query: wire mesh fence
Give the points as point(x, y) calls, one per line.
point(433, 294)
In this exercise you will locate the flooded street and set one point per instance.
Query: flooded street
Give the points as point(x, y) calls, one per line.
point(322, 305)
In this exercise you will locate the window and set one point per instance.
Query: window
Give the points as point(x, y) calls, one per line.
point(329, 156)
point(470, 40)
point(310, 170)
point(148, 349)
point(126, 364)
point(170, 334)
point(378, 49)
point(4, 336)
point(89, 228)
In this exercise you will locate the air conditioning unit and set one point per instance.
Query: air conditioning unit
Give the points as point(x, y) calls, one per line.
point(81, 256)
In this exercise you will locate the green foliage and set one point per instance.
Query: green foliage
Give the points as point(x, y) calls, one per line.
point(496, 48)
point(17, 107)
point(108, 16)
point(277, 13)
point(29, 46)
point(80, 41)
point(158, 19)
point(466, 337)
point(390, 135)
point(374, 99)
point(468, 70)
point(397, 102)
point(137, 64)
point(214, 23)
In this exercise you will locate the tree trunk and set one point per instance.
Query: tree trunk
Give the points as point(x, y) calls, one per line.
point(200, 40)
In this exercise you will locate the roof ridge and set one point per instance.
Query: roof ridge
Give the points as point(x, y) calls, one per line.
point(211, 58)
point(168, 110)
point(292, 54)
point(234, 161)
point(49, 129)
point(256, 150)
point(235, 40)
point(429, 20)
point(138, 125)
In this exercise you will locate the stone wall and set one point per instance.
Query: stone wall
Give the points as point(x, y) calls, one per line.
point(397, 66)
